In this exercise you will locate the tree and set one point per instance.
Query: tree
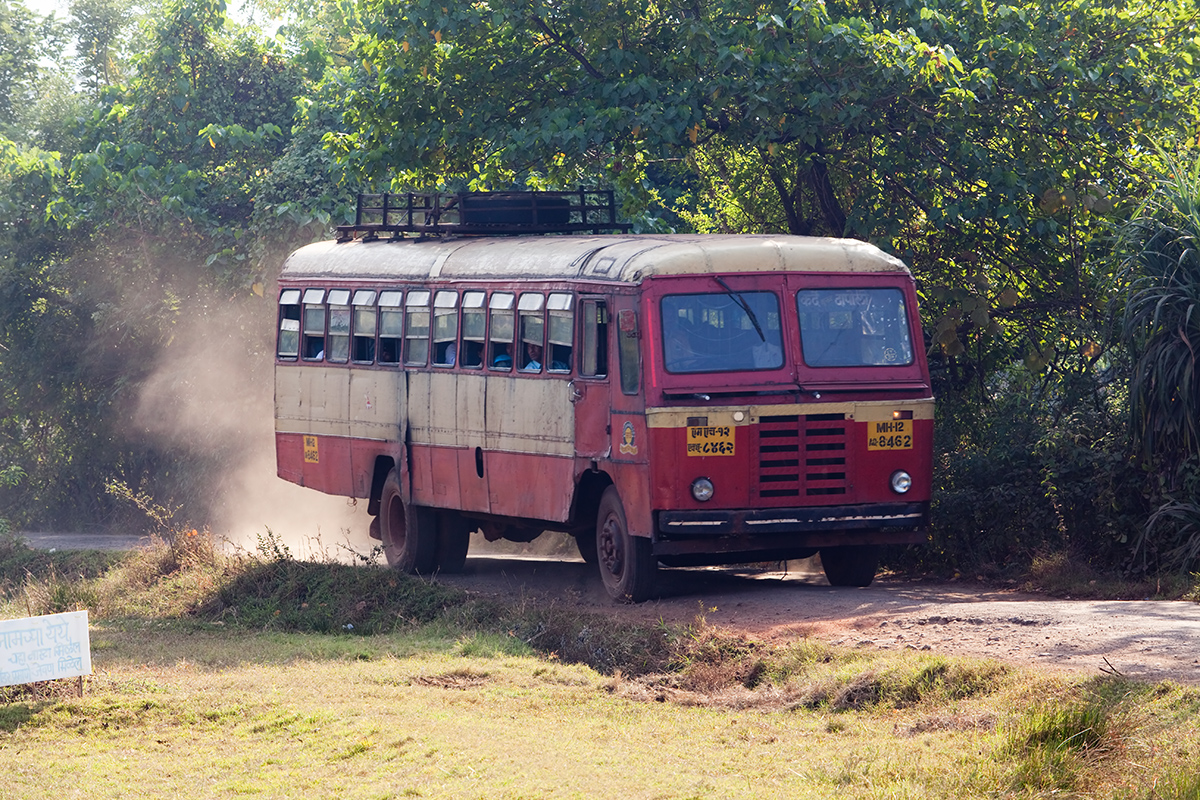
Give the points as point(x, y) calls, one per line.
point(1161, 324)
point(25, 38)
point(984, 142)
point(99, 28)
point(1161, 328)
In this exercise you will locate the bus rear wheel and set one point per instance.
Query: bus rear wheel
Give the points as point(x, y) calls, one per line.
point(408, 532)
point(850, 566)
point(453, 541)
point(627, 563)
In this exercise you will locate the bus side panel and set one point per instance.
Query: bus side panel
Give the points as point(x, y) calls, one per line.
point(470, 428)
point(317, 462)
point(528, 485)
point(528, 446)
point(633, 485)
point(443, 471)
point(311, 424)
point(377, 404)
point(472, 488)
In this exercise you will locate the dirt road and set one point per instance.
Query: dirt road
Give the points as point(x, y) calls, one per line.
point(1144, 640)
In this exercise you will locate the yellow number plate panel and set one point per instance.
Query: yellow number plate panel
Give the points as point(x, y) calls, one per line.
point(710, 440)
point(894, 435)
point(311, 453)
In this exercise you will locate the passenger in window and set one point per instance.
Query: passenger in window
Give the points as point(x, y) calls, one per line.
point(502, 359)
point(560, 358)
point(533, 358)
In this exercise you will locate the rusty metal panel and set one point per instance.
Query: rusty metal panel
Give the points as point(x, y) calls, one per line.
point(377, 404)
point(419, 423)
point(312, 399)
point(469, 419)
point(529, 416)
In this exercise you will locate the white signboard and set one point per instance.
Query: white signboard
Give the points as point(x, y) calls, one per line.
point(44, 648)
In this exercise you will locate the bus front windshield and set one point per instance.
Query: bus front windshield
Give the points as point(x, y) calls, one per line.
point(721, 332)
point(854, 328)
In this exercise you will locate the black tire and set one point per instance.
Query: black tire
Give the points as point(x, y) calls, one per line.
point(627, 563)
point(408, 532)
point(850, 566)
point(453, 541)
point(586, 542)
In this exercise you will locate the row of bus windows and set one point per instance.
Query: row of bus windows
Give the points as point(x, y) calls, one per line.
point(531, 332)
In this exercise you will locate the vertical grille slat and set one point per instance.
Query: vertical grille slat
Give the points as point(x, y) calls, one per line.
point(800, 455)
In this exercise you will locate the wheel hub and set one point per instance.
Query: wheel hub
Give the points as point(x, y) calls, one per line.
point(610, 547)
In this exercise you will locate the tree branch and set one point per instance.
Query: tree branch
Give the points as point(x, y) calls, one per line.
point(578, 56)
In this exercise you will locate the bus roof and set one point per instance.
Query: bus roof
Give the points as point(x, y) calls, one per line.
point(628, 258)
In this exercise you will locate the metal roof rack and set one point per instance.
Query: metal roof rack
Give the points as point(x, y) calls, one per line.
point(482, 213)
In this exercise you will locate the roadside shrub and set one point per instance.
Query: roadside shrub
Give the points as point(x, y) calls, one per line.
point(1040, 467)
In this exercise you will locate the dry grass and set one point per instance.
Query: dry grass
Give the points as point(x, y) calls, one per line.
point(221, 676)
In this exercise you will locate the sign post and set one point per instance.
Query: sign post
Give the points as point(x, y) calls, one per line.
point(45, 648)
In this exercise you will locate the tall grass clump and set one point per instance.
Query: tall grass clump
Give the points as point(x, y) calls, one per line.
point(1062, 742)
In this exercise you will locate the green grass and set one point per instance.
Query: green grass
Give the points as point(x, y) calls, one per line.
point(219, 676)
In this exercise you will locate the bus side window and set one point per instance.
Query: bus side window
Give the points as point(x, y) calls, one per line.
point(562, 325)
point(627, 350)
point(391, 327)
point(338, 345)
point(416, 328)
point(593, 339)
point(314, 324)
point(500, 331)
point(364, 321)
point(445, 328)
point(533, 332)
point(474, 330)
point(289, 324)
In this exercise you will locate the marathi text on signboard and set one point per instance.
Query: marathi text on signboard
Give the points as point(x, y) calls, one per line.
point(44, 648)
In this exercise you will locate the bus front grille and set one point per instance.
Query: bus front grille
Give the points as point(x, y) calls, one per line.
point(801, 455)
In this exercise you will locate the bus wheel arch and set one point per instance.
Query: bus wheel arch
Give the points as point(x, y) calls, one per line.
point(627, 563)
point(408, 532)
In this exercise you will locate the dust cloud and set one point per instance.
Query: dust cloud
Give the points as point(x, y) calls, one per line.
point(208, 404)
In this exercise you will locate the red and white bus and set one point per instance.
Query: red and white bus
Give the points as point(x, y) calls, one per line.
point(666, 399)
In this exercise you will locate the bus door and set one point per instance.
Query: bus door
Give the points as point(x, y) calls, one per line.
point(589, 392)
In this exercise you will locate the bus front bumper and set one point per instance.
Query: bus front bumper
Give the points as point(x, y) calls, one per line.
point(789, 529)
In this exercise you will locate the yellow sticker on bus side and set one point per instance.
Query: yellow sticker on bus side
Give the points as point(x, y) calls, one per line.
point(710, 440)
point(894, 435)
point(311, 456)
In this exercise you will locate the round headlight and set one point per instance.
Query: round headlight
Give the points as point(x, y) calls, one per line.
point(702, 489)
point(901, 481)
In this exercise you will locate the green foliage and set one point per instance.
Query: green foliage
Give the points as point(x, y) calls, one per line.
point(1161, 323)
point(25, 38)
point(1161, 328)
point(101, 29)
point(1034, 466)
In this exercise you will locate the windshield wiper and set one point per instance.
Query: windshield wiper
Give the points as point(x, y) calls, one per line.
point(741, 301)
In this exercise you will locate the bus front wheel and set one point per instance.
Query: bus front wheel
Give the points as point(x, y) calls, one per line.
point(850, 566)
point(627, 563)
point(408, 532)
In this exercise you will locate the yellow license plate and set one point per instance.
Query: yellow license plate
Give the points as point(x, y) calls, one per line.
point(311, 453)
point(710, 440)
point(894, 435)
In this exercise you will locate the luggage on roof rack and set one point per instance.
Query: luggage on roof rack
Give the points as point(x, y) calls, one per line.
point(482, 213)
